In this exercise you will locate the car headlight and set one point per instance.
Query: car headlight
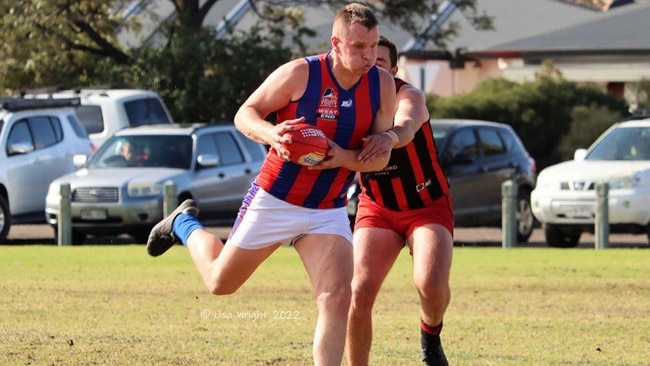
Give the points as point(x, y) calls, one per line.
point(54, 191)
point(144, 189)
point(622, 182)
point(632, 180)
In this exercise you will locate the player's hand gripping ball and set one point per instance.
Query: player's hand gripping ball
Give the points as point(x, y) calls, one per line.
point(308, 145)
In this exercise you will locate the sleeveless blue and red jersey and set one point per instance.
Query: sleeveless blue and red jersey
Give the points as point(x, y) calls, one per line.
point(345, 116)
point(413, 177)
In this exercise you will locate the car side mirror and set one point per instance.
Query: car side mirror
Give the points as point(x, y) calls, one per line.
point(207, 160)
point(79, 161)
point(20, 148)
point(579, 154)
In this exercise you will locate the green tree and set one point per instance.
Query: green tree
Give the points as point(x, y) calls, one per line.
point(47, 42)
point(211, 84)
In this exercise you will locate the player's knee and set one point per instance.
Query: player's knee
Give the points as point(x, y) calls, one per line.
point(336, 300)
point(433, 290)
point(362, 300)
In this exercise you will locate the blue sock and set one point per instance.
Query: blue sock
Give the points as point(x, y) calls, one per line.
point(184, 224)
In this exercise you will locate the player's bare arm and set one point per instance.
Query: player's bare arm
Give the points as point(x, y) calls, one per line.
point(340, 157)
point(410, 113)
point(286, 83)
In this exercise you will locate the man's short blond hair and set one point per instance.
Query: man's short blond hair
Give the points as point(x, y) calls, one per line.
point(350, 14)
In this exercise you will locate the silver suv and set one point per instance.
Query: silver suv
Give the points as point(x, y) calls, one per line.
point(121, 188)
point(103, 111)
point(38, 139)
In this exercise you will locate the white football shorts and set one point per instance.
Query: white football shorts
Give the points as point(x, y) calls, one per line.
point(265, 220)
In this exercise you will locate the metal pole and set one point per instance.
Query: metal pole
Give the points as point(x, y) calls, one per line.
point(508, 214)
point(444, 11)
point(169, 199)
point(64, 221)
point(601, 223)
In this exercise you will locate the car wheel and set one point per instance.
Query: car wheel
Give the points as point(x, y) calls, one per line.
point(5, 219)
point(524, 215)
point(78, 237)
point(558, 238)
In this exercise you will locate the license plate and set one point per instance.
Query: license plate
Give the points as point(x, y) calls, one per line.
point(578, 211)
point(94, 214)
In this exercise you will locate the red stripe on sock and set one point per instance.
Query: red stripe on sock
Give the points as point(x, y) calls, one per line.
point(429, 329)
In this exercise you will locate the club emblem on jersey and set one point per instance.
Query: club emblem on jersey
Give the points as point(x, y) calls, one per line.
point(328, 106)
point(329, 93)
point(329, 96)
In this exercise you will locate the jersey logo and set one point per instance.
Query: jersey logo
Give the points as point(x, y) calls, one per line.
point(422, 186)
point(330, 94)
point(328, 106)
point(346, 103)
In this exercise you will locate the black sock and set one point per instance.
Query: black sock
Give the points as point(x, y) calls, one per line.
point(432, 353)
point(429, 336)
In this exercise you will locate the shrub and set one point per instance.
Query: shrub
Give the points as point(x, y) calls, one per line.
point(588, 122)
point(541, 112)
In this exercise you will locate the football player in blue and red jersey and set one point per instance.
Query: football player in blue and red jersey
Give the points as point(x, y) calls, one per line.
point(346, 96)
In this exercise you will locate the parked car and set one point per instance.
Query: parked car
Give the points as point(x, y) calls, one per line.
point(38, 140)
point(565, 197)
point(478, 157)
point(117, 193)
point(103, 111)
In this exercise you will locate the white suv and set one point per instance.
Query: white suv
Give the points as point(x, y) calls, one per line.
point(565, 198)
point(38, 139)
point(103, 111)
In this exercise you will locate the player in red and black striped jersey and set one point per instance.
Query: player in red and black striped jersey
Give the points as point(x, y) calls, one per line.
point(406, 203)
point(345, 95)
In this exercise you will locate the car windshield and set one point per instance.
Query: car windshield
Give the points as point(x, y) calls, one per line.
point(440, 133)
point(144, 152)
point(623, 143)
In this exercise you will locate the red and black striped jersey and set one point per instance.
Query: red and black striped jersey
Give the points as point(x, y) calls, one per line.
point(413, 177)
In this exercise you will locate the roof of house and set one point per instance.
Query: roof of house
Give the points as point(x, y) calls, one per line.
point(512, 20)
point(620, 29)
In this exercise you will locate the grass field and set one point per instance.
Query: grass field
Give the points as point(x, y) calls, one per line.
point(114, 305)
